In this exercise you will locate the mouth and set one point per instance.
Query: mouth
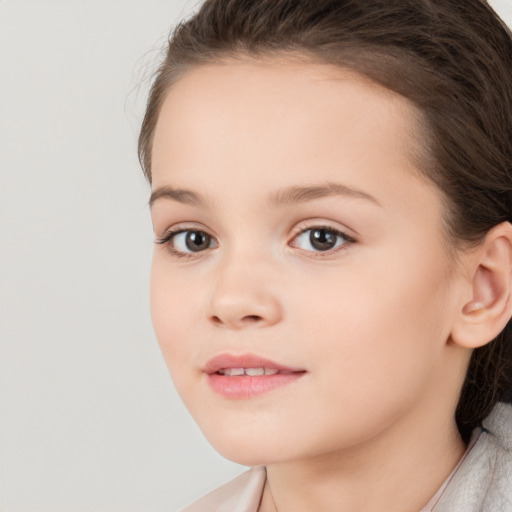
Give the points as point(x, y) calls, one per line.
point(252, 372)
point(248, 375)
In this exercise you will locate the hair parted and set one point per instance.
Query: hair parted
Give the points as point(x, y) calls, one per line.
point(451, 58)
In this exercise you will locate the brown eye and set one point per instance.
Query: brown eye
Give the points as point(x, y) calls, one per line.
point(320, 239)
point(184, 242)
point(193, 241)
point(197, 240)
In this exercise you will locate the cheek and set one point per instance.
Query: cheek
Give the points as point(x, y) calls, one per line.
point(173, 314)
point(378, 329)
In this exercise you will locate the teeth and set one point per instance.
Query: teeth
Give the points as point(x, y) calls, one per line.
point(251, 372)
point(234, 371)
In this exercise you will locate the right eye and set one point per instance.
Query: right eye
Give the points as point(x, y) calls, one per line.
point(185, 242)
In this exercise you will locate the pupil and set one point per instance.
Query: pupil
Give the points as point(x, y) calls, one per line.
point(197, 241)
point(322, 239)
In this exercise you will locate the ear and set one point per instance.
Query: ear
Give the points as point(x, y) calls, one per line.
point(486, 313)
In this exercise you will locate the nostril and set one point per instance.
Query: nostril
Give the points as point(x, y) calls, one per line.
point(244, 320)
point(251, 318)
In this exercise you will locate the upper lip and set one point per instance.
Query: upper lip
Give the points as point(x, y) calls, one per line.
point(221, 361)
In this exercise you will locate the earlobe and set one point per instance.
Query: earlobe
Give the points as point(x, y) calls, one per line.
point(486, 314)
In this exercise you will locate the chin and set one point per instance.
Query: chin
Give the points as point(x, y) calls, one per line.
point(246, 448)
point(247, 457)
point(251, 455)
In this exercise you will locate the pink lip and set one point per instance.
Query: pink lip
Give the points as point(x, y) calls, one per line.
point(244, 361)
point(246, 386)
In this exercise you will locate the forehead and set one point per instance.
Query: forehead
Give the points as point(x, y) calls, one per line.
point(293, 98)
point(282, 123)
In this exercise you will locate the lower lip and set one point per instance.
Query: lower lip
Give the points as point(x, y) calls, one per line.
point(245, 386)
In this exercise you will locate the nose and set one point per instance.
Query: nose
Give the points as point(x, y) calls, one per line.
point(244, 296)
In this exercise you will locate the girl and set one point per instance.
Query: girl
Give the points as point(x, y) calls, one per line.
point(332, 275)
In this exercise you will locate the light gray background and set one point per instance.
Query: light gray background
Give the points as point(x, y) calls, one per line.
point(89, 420)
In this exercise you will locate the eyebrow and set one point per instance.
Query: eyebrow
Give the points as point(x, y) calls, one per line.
point(287, 196)
point(179, 195)
point(296, 195)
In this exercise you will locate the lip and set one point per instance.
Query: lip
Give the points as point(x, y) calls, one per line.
point(244, 361)
point(247, 386)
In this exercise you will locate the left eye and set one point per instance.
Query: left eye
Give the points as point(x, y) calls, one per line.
point(320, 239)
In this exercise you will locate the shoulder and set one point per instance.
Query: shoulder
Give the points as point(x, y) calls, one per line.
point(242, 494)
point(484, 479)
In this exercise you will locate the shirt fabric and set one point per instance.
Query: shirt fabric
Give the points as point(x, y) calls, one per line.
point(481, 481)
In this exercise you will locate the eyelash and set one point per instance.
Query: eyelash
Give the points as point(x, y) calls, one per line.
point(168, 236)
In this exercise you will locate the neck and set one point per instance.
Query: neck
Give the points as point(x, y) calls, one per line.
point(390, 472)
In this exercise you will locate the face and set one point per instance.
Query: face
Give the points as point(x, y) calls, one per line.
point(297, 237)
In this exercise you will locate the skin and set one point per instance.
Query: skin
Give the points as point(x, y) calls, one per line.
point(370, 320)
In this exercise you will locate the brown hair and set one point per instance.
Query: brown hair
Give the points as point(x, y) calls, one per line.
point(451, 58)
